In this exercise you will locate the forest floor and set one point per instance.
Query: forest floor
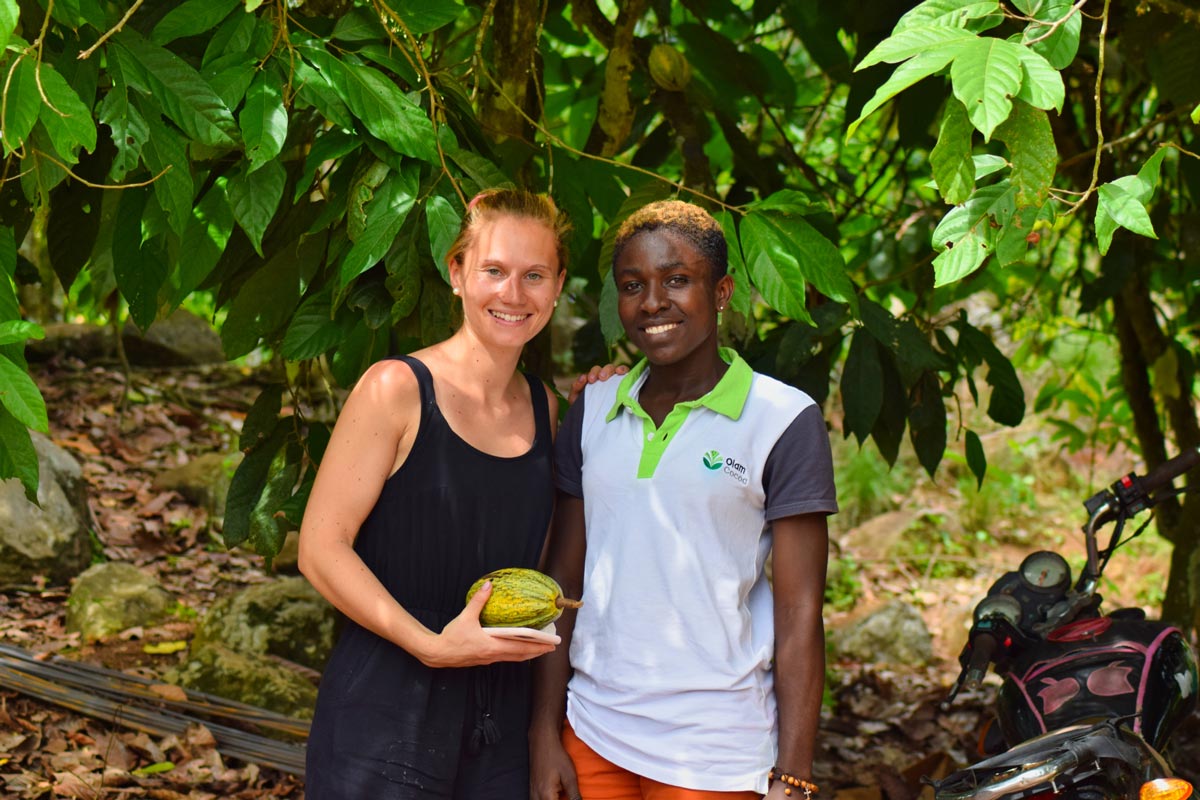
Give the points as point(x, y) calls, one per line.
point(882, 729)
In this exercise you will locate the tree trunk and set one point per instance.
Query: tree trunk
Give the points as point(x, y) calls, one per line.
point(1147, 349)
point(614, 119)
point(505, 113)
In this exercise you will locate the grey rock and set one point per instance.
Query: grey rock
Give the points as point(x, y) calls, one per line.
point(82, 340)
point(286, 618)
point(256, 680)
point(51, 538)
point(179, 340)
point(109, 598)
point(55, 462)
point(204, 480)
point(895, 634)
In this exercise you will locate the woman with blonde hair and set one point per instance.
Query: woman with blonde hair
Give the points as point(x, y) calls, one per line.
point(438, 472)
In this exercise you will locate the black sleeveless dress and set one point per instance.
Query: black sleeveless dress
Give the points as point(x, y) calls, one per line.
point(386, 726)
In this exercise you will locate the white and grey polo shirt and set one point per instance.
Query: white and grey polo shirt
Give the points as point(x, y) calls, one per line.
point(673, 646)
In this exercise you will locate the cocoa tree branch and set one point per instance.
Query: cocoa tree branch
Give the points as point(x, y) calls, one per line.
point(83, 54)
point(1099, 113)
point(586, 14)
point(614, 119)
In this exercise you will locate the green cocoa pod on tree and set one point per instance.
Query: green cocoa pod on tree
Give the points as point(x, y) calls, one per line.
point(669, 68)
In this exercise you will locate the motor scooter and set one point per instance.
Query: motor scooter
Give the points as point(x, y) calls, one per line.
point(1089, 699)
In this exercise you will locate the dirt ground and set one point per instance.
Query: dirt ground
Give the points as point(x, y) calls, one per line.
point(882, 731)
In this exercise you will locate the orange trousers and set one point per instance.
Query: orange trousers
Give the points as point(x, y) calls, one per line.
point(600, 779)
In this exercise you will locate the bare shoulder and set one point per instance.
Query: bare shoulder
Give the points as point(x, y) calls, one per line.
point(388, 386)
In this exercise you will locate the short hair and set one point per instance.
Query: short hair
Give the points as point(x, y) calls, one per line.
point(688, 220)
point(492, 203)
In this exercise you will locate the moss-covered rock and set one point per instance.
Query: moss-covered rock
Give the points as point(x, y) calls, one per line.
point(287, 618)
point(252, 679)
point(109, 598)
point(895, 634)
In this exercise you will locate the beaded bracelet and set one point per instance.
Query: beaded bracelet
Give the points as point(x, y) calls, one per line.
point(791, 781)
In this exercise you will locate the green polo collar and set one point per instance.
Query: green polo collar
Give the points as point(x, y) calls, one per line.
point(727, 398)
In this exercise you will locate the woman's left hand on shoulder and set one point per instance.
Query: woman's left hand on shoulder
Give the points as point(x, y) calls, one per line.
point(594, 374)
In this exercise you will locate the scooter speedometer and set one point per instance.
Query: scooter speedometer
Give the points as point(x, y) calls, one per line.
point(1045, 571)
point(1004, 606)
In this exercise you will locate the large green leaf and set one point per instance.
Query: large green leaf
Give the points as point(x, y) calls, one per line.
point(403, 282)
point(18, 459)
point(69, 121)
point(359, 25)
point(267, 299)
point(20, 395)
point(1015, 239)
point(368, 175)
point(443, 223)
point(423, 16)
point(230, 76)
point(327, 147)
point(14, 330)
point(921, 66)
point(8, 254)
point(1032, 152)
point(255, 197)
point(9, 13)
point(986, 75)
point(262, 418)
point(487, 175)
point(947, 13)
point(74, 222)
point(129, 130)
point(913, 41)
point(166, 155)
point(1149, 173)
point(177, 88)
point(976, 458)
point(927, 421)
point(1041, 84)
point(21, 103)
point(190, 18)
point(862, 385)
point(610, 319)
point(902, 338)
point(1048, 35)
point(314, 89)
point(386, 212)
point(312, 330)
point(263, 119)
point(1119, 206)
point(965, 256)
point(40, 171)
point(994, 203)
point(888, 432)
point(204, 240)
point(1007, 403)
point(139, 270)
point(246, 487)
point(783, 253)
point(267, 524)
point(742, 289)
point(950, 160)
point(383, 107)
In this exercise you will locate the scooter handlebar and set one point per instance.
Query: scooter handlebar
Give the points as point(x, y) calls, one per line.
point(983, 647)
point(1169, 470)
